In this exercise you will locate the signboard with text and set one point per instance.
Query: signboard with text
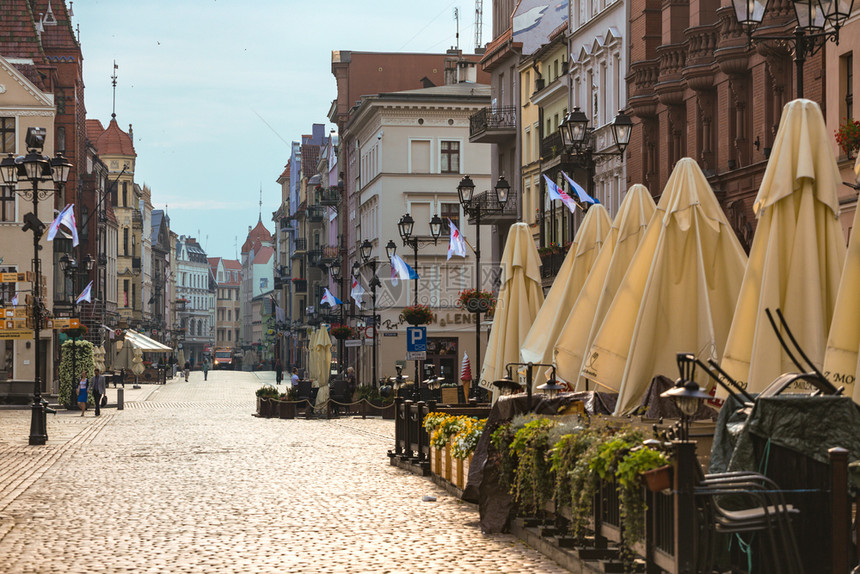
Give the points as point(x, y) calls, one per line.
point(416, 343)
point(6, 334)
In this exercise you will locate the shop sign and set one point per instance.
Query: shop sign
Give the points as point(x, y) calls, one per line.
point(390, 334)
point(352, 343)
point(7, 334)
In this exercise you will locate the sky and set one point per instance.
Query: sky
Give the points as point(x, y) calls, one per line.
point(217, 89)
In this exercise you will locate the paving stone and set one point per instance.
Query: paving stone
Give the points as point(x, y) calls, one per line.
point(186, 480)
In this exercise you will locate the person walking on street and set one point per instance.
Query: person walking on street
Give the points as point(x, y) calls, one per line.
point(82, 392)
point(186, 369)
point(205, 369)
point(99, 387)
point(294, 380)
point(279, 372)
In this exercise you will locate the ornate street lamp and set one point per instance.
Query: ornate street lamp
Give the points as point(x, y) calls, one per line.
point(686, 394)
point(391, 249)
point(810, 34)
point(404, 226)
point(35, 168)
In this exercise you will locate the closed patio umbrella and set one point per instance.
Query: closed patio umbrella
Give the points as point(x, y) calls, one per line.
point(602, 283)
point(797, 253)
point(320, 361)
point(678, 292)
point(520, 297)
point(547, 326)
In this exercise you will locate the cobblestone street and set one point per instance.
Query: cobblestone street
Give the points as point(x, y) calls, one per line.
point(186, 480)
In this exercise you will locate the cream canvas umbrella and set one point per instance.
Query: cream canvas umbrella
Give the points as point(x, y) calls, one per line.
point(841, 356)
point(520, 297)
point(538, 345)
point(320, 361)
point(843, 343)
point(602, 283)
point(797, 252)
point(678, 292)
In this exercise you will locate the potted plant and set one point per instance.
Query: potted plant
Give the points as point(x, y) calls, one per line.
point(75, 332)
point(342, 332)
point(265, 399)
point(848, 137)
point(417, 315)
point(463, 446)
point(287, 405)
point(476, 301)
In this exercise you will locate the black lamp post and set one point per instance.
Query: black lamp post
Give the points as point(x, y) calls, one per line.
point(71, 271)
point(364, 250)
point(686, 394)
point(405, 227)
point(576, 137)
point(334, 270)
point(475, 207)
point(507, 384)
point(36, 168)
point(810, 34)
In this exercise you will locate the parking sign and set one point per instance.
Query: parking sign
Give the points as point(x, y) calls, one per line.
point(416, 343)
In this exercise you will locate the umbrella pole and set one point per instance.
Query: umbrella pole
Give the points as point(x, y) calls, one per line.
point(478, 287)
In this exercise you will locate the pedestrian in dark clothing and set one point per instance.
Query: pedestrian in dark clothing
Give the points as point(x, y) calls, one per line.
point(186, 369)
point(121, 378)
point(98, 387)
point(205, 369)
point(279, 372)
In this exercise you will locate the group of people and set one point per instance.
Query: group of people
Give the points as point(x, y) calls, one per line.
point(294, 377)
point(97, 385)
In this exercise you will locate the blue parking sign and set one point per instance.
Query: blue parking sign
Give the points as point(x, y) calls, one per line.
point(416, 339)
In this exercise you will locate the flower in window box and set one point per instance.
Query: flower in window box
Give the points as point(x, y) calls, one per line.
point(848, 136)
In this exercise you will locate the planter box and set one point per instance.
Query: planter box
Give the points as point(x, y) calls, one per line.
point(436, 460)
point(389, 413)
point(450, 396)
point(658, 479)
point(287, 409)
point(467, 464)
point(447, 463)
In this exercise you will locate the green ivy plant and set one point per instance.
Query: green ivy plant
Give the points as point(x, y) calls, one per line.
point(533, 480)
point(83, 361)
point(628, 478)
point(501, 440)
point(564, 457)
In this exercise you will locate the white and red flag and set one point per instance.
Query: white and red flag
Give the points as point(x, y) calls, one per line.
point(457, 244)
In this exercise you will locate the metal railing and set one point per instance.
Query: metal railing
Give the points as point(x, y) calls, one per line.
point(504, 117)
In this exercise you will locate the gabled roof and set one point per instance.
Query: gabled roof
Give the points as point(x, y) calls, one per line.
point(114, 141)
point(263, 256)
point(232, 264)
point(94, 130)
point(18, 36)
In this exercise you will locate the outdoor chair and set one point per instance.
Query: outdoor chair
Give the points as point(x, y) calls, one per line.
point(744, 503)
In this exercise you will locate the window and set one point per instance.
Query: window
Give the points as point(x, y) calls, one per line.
point(7, 135)
point(61, 139)
point(125, 194)
point(449, 211)
point(7, 360)
point(848, 66)
point(229, 315)
point(125, 240)
point(229, 335)
point(7, 203)
point(264, 283)
point(134, 296)
point(420, 156)
point(125, 292)
point(450, 157)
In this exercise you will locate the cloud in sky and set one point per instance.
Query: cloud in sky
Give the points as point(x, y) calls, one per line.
point(216, 89)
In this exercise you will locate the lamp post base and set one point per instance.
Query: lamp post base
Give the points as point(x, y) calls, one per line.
point(38, 425)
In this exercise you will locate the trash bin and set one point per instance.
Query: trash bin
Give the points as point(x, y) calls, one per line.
point(120, 395)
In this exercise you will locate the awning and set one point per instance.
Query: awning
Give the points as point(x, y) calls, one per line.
point(144, 343)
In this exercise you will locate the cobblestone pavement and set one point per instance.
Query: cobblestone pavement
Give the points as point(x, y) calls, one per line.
point(186, 480)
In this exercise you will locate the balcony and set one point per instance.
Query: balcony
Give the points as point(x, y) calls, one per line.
point(300, 285)
point(300, 247)
point(491, 212)
point(316, 213)
point(328, 196)
point(493, 125)
point(551, 146)
point(315, 256)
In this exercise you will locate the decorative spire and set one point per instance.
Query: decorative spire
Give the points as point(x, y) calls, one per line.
point(260, 218)
point(113, 83)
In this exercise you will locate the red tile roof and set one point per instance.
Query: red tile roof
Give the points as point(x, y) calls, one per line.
point(232, 264)
point(94, 130)
point(255, 236)
point(18, 35)
point(263, 256)
point(114, 141)
point(60, 36)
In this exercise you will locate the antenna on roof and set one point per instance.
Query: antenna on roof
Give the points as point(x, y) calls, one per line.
point(236, 245)
point(457, 19)
point(479, 20)
point(260, 219)
point(113, 83)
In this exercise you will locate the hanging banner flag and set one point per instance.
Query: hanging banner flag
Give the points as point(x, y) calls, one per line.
point(404, 271)
point(357, 292)
point(456, 245)
point(581, 193)
point(329, 298)
point(86, 294)
point(67, 218)
point(555, 192)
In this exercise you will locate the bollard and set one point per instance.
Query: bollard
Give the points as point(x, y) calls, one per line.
point(120, 395)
